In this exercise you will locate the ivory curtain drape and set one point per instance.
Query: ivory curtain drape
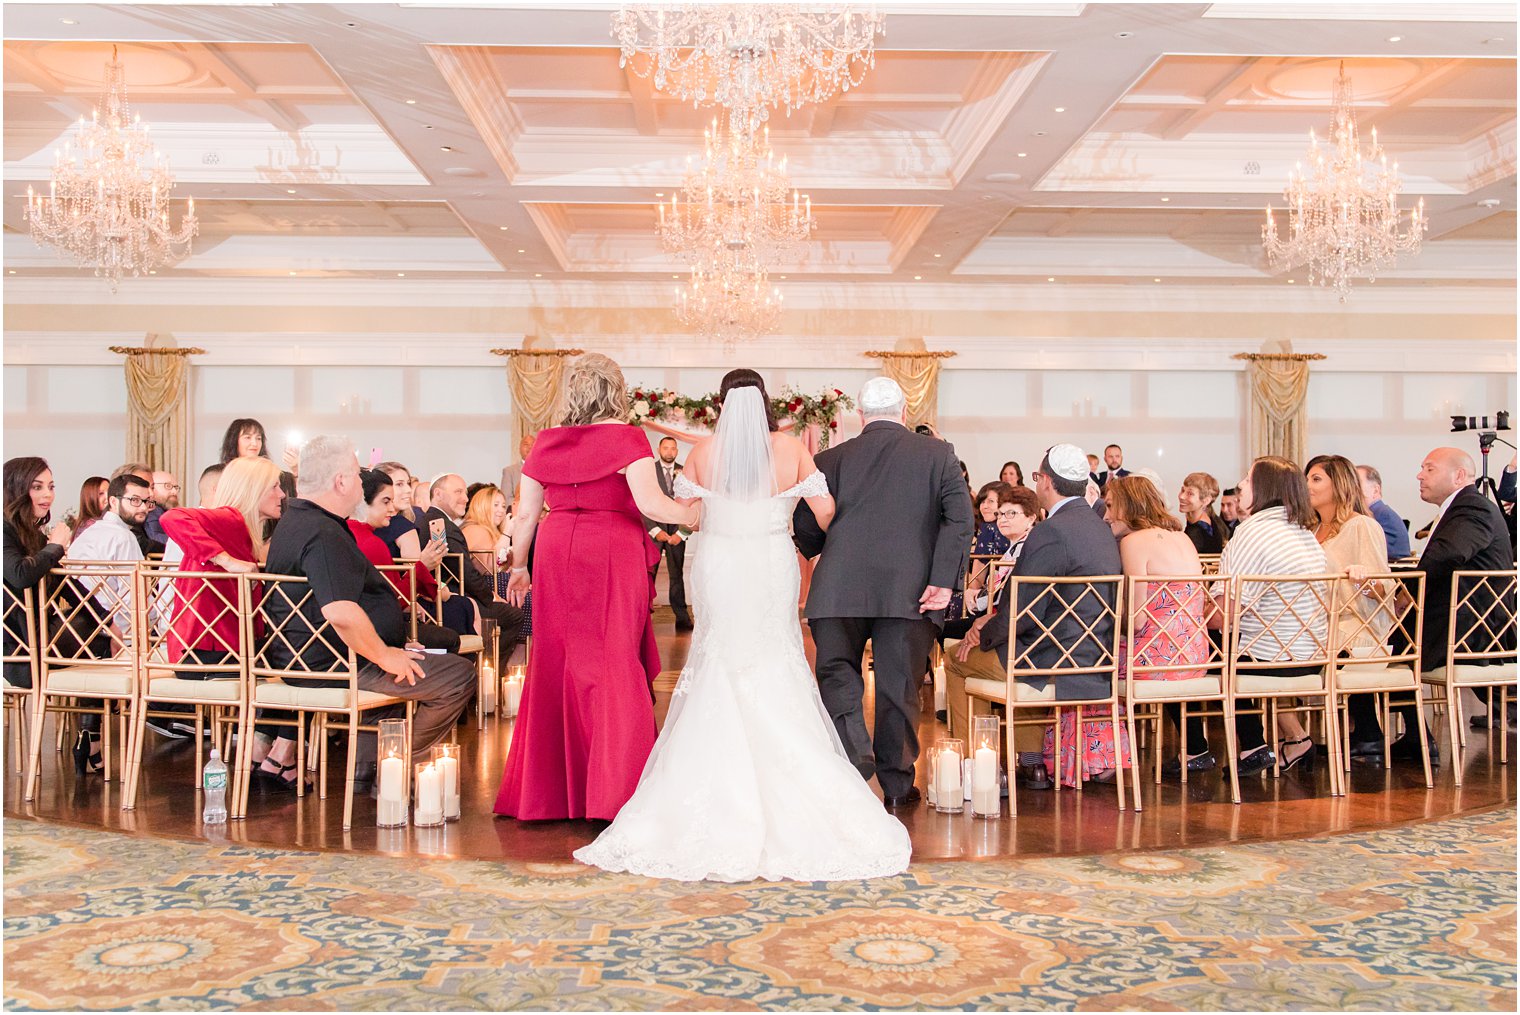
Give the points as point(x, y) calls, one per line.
point(158, 412)
point(1279, 417)
point(916, 370)
point(535, 376)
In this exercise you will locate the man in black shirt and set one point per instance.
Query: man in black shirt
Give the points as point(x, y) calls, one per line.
point(313, 540)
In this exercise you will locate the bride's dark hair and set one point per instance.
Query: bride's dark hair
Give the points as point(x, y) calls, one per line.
point(744, 377)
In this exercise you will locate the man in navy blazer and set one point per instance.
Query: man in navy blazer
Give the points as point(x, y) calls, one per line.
point(1070, 542)
point(1395, 532)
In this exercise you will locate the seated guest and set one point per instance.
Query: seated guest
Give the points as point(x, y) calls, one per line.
point(165, 496)
point(370, 516)
point(313, 540)
point(988, 539)
point(1229, 508)
point(244, 438)
point(511, 475)
point(1012, 474)
point(34, 544)
point(1196, 502)
point(146, 543)
point(449, 504)
point(1470, 534)
point(1395, 532)
point(205, 487)
point(113, 539)
point(93, 502)
point(1097, 475)
point(1150, 543)
point(484, 519)
point(1071, 541)
point(405, 533)
point(226, 534)
point(1276, 539)
point(422, 494)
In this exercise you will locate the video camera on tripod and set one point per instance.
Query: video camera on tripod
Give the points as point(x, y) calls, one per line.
point(1487, 437)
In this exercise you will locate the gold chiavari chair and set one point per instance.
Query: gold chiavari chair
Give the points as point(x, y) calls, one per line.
point(1067, 617)
point(198, 656)
point(979, 574)
point(1173, 657)
point(1282, 622)
point(450, 572)
point(1480, 653)
point(1210, 562)
point(20, 623)
point(88, 633)
point(1377, 644)
point(302, 665)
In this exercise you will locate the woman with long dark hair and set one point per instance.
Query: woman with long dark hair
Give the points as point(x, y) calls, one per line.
point(244, 438)
point(32, 546)
point(93, 501)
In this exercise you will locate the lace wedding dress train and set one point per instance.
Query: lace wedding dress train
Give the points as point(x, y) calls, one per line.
point(748, 779)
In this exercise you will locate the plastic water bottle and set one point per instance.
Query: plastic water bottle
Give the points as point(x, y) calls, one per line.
point(215, 785)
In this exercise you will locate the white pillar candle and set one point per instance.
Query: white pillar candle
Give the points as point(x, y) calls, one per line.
point(448, 768)
point(488, 689)
point(390, 813)
point(393, 780)
point(429, 796)
point(984, 782)
point(514, 695)
point(948, 772)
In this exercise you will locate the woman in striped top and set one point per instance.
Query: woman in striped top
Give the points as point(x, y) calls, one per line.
point(1276, 539)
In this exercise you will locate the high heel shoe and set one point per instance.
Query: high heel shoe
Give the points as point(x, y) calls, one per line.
point(1304, 761)
point(87, 760)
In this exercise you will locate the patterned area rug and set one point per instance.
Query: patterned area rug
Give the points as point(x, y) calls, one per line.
point(1421, 918)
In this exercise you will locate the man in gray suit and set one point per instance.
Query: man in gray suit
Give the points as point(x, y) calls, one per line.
point(669, 538)
point(1070, 542)
point(896, 549)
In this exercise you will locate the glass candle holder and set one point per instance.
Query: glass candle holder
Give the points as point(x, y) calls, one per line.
point(446, 761)
point(391, 773)
point(487, 686)
point(949, 793)
point(429, 789)
point(986, 799)
point(511, 691)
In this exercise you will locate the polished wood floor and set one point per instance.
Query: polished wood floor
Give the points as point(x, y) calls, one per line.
point(1064, 823)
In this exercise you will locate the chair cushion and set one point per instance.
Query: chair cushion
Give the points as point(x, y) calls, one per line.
point(985, 687)
point(1467, 673)
point(111, 681)
point(1191, 687)
point(469, 644)
point(164, 686)
point(1375, 676)
point(275, 695)
point(1247, 684)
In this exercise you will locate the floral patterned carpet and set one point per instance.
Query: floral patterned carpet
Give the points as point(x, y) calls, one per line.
point(1420, 918)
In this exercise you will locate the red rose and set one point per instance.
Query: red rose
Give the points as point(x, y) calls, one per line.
point(833, 424)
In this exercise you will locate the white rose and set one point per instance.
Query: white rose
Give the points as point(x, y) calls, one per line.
point(641, 408)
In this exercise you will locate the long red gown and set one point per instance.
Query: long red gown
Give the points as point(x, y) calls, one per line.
point(585, 725)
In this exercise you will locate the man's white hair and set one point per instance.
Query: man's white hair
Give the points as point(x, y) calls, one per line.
point(882, 397)
point(323, 459)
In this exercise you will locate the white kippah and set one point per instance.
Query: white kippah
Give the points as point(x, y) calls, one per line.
point(881, 394)
point(1154, 477)
point(1068, 461)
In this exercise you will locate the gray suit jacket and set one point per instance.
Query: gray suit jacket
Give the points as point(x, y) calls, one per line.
point(1072, 542)
point(902, 522)
point(668, 489)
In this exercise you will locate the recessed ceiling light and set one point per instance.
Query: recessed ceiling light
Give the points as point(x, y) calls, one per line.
point(659, 193)
point(152, 271)
point(427, 126)
point(502, 228)
point(1165, 199)
point(782, 277)
point(1395, 38)
point(1039, 133)
point(1123, 35)
point(678, 276)
point(1060, 109)
point(938, 255)
point(1023, 155)
point(521, 251)
point(288, 191)
point(1155, 280)
point(445, 148)
point(1290, 281)
point(13, 271)
point(538, 274)
point(1051, 279)
point(918, 278)
point(411, 102)
point(401, 274)
point(68, 21)
point(292, 273)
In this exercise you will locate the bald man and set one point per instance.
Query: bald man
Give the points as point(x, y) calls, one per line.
point(1469, 535)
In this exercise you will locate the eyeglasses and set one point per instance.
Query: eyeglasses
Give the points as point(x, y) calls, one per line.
point(171, 487)
point(1011, 513)
point(136, 501)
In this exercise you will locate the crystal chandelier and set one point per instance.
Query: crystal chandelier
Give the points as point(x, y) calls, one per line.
point(738, 199)
point(730, 299)
point(108, 203)
point(1343, 214)
point(748, 57)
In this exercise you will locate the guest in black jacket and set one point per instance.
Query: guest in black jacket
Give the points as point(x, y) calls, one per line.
point(449, 500)
point(1469, 535)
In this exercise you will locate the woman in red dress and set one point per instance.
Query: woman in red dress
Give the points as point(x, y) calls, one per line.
point(586, 725)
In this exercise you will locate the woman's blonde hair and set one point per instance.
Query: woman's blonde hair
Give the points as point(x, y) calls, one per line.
point(594, 391)
point(243, 483)
point(479, 510)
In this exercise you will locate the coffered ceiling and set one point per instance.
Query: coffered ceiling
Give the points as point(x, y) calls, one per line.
point(1083, 143)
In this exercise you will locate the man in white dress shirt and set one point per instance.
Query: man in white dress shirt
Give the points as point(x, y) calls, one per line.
point(112, 539)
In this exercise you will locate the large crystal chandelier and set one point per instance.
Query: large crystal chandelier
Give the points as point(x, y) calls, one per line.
point(737, 199)
point(729, 298)
point(748, 57)
point(108, 204)
point(1343, 214)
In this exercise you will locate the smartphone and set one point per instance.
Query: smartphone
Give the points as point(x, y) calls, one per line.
point(435, 530)
point(375, 457)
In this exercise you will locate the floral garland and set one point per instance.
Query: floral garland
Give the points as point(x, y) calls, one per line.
point(804, 410)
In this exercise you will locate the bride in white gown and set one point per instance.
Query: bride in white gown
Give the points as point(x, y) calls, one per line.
point(748, 779)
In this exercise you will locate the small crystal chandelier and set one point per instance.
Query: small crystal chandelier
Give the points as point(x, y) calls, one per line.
point(729, 299)
point(1343, 216)
point(739, 198)
point(748, 57)
point(108, 203)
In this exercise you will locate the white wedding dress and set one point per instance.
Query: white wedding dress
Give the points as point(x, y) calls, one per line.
point(748, 779)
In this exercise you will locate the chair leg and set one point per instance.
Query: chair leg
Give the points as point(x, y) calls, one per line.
point(1013, 760)
point(1134, 767)
point(244, 764)
point(1424, 735)
point(1232, 750)
point(1117, 728)
point(300, 754)
point(1454, 725)
point(133, 773)
point(1333, 746)
point(348, 781)
point(322, 760)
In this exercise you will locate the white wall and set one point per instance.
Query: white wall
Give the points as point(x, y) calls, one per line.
point(437, 418)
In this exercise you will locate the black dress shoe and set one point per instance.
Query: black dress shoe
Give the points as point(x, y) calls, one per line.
point(908, 799)
point(1250, 764)
point(1035, 777)
point(1195, 763)
point(1369, 749)
point(1407, 748)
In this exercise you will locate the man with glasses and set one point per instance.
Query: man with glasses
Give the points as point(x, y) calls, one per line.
point(165, 496)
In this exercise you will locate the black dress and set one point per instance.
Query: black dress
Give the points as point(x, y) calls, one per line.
point(1206, 539)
